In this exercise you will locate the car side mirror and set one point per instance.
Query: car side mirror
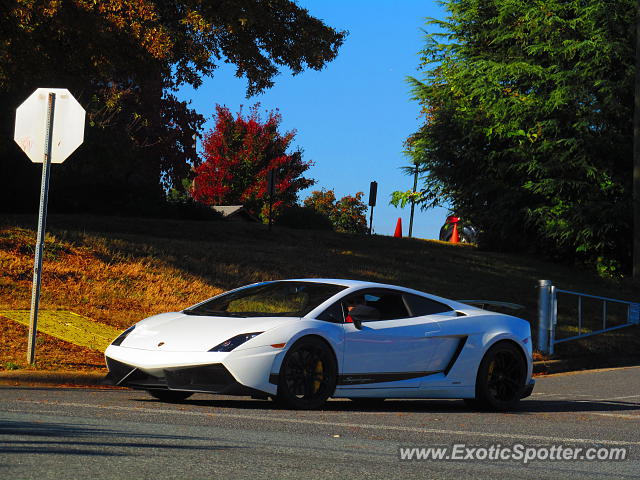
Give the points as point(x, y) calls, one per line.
point(357, 321)
point(363, 313)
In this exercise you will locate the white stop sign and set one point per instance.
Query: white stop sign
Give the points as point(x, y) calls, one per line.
point(31, 125)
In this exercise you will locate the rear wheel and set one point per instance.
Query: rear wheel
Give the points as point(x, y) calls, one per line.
point(307, 375)
point(501, 378)
point(169, 395)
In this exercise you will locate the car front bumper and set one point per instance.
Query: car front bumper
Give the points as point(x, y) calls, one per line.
point(235, 373)
point(212, 378)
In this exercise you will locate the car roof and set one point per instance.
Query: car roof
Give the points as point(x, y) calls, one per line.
point(339, 281)
point(363, 284)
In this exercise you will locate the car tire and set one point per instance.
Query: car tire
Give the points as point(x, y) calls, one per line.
point(169, 396)
point(501, 378)
point(308, 375)
point(472, 403)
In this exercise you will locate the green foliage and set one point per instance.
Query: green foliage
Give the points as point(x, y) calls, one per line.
point(346, 214)
point(608, 268)
point(11, 366)
point(527, 132)
point(402, 199)
point(124, 60)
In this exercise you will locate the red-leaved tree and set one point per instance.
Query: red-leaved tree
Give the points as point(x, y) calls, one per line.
point(239, 152)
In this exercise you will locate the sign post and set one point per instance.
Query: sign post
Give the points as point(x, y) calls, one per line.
point(49, 127)
point(373, 193)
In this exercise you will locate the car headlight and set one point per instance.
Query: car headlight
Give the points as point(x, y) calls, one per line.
point(234, 342)
point(122, 336)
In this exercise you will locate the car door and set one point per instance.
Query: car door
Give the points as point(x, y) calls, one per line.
point(394, 348)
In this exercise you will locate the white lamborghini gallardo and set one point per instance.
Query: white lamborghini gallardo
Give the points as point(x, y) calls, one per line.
point(303, 341)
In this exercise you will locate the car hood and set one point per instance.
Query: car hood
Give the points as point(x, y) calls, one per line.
point(179, 332)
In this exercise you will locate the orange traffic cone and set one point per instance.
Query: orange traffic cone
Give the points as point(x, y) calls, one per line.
point(398, 232)
point(455, 238)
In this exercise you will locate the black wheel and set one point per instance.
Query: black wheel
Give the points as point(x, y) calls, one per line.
point(368, 402)
point(307, 375)
point(501, 377)
point(169, 395)
point(472, 403)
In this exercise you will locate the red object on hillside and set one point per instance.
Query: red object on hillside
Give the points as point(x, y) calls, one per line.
point(398, 232)
point(455, 238)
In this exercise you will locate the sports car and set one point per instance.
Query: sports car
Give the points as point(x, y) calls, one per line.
point(302, 341)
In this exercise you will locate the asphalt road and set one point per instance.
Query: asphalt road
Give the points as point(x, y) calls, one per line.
point(106, 433)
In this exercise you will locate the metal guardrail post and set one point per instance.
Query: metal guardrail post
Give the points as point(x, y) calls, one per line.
point(544, 315)
point(553, 318)
point(633, 315)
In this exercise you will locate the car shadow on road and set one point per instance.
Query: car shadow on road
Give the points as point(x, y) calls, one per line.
point(56, 438)
point(528, 406)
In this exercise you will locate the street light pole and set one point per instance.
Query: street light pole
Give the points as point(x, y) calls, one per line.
point(413, 199)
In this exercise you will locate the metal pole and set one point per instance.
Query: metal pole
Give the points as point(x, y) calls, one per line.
point(544, 317)
point(579, 314)
point(371, 220)
point(636, 159)
point(553, 317)
point(42, 225)
point(413, 200)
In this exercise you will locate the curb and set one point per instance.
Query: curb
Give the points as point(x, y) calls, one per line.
point(97, 379)
point(546, 367)
point(51, 378)
point(92, 379)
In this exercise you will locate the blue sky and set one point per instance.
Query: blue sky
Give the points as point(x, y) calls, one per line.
point(353, 116)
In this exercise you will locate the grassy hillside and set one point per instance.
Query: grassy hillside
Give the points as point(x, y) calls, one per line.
point(119, 270)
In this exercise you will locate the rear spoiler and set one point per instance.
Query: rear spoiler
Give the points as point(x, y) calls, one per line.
point(492, 303)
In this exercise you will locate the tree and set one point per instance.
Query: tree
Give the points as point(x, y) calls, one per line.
point(239, 153)
point(346, 214)
point(124, 60)
point(528, 132)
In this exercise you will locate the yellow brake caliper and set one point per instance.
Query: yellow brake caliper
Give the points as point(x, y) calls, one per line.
point(318, 376)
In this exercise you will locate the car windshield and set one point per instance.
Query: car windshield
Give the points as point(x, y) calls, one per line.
point(272, 299)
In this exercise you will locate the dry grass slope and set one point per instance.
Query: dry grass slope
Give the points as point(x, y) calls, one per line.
point(119, 270)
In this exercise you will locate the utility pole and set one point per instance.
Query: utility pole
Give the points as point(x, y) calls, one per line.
point(636, 158)
point(413, 198)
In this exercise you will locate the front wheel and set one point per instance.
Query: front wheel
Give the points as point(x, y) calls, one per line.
point(307, 375)
point(501, 378)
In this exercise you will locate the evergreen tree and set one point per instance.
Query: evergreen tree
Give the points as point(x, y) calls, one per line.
point(528, 110)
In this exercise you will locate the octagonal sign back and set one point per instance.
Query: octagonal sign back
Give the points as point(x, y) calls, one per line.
point(31, 125)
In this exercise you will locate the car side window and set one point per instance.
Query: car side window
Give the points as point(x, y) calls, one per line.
point(332, 314)
point(421, 306)
point(390, 304)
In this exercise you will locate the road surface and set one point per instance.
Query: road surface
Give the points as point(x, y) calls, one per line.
point(60, 433)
